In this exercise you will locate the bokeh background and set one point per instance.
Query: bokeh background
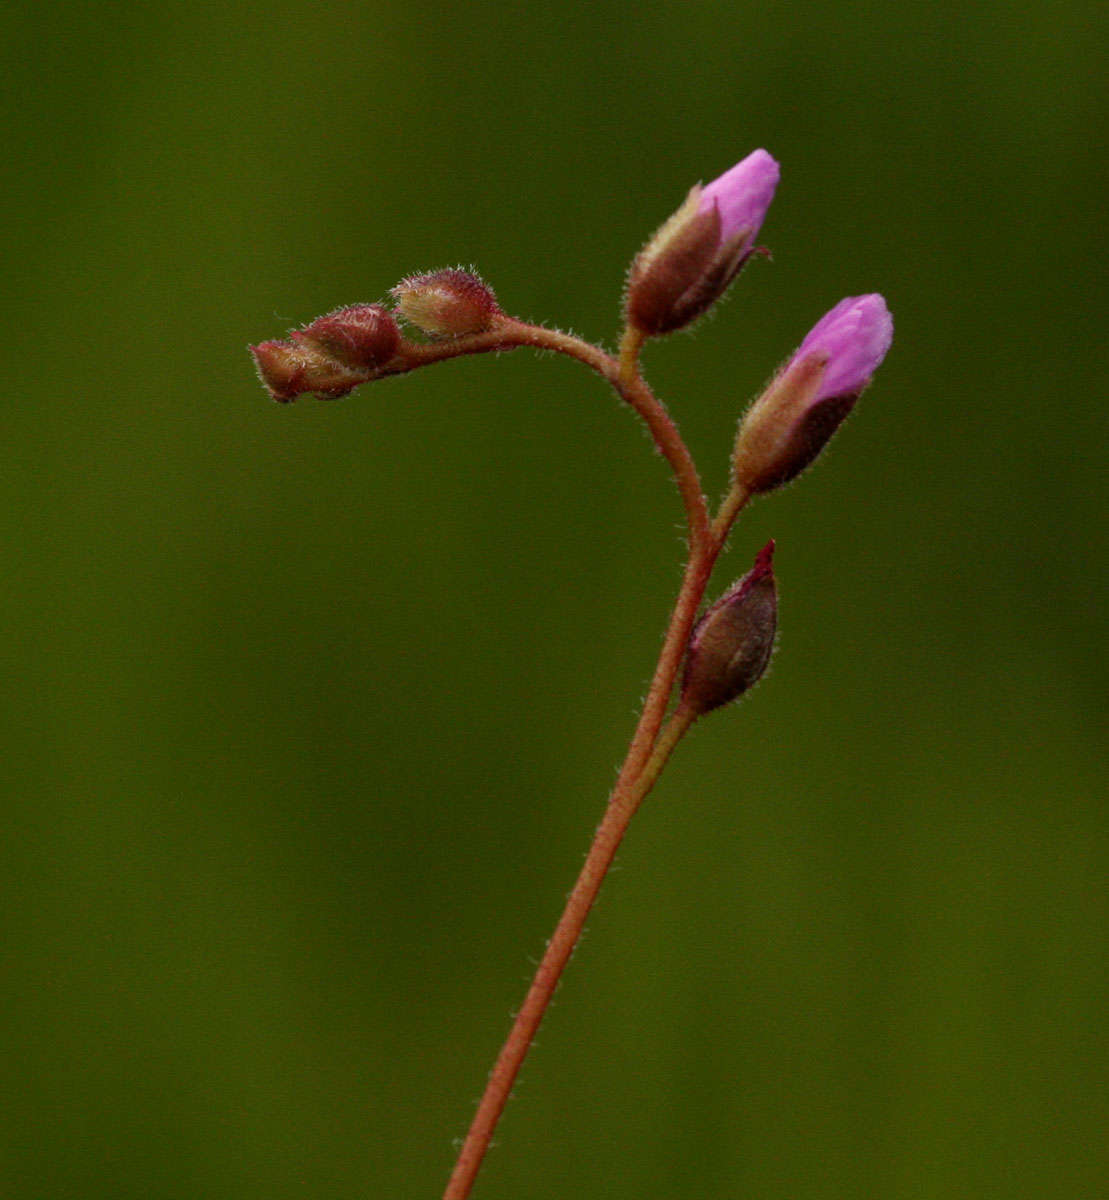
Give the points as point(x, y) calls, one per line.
point(309, 711)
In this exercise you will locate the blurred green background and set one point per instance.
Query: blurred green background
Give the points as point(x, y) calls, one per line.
point(310, 711)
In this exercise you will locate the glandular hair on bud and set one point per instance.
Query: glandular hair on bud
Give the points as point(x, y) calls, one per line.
point(790, 423)
point(289, 369)
point(692, 259)
point(448, 303)
point(359, 335)
point(731, 644)
point(666, 279)
point(786, 428)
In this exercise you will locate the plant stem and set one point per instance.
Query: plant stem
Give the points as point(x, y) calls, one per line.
point(651, 744)
point(697, 574)
point(621, 808)
point(647, 754)
point(630, 345)
point(509, 334)
point(732, 505)
point(631, 388)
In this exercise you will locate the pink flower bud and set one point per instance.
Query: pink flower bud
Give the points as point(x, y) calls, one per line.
point(289, 369)
point(691, 260)
point(742, 196)
point(791, 422)
point(448, 303)
point(361, 335)
point(854, 338)
point(731, 644)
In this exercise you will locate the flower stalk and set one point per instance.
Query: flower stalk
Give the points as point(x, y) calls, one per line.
point(682, 271)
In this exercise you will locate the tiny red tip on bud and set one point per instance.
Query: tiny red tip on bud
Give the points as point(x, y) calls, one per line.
point(447, 303)
point(764, 561)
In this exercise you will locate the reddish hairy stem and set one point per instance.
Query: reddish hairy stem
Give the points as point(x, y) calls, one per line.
point(651, 744)
point(647, 755)
point(610, 833)
point(509, 333)
point(632, 389)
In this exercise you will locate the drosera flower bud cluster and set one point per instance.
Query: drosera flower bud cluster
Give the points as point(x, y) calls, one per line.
point(705, 664)
point(330, 356)
point(342, 349)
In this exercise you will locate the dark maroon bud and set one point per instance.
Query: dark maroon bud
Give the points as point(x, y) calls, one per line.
point(731, 644)
point(360, 335)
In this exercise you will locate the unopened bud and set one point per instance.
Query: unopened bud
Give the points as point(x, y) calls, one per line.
point(791, 422)
point(690, 261)
point(360, 335)
point(731, 644)
point(289, 369)
point(448, 303)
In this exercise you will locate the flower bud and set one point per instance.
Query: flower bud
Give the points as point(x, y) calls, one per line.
point(790, 423)
point(731, 644)
point(361, 335)
point(287, 369)
point(690, 261)
point(448, 303)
